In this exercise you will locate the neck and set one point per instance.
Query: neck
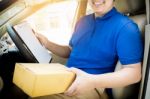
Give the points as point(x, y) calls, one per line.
point(98, 15)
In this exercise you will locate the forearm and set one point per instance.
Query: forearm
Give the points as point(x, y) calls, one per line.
point(124, 77)
point(62, 51)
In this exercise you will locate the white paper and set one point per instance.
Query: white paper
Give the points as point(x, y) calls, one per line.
point(27, 35)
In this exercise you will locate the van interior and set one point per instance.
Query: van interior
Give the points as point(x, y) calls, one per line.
point(56, 20)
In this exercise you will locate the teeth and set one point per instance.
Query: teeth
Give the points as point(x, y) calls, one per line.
point(98, 3)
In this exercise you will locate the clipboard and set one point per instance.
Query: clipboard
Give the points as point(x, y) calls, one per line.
point(27, 43)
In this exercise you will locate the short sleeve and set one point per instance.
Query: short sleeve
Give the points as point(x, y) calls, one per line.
point(129, 44)
point(74, 34)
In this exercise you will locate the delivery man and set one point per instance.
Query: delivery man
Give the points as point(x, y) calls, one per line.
point(98, 42)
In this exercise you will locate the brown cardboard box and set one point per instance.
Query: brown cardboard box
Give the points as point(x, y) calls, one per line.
point(42, 79)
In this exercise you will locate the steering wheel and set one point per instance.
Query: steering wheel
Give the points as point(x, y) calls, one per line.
point(20, 44)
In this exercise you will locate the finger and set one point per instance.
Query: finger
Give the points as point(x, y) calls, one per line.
point(39, 38)
point(76, 71)
point(36, 34)
point(73, 93)
point(33, 31)
point(72, 89)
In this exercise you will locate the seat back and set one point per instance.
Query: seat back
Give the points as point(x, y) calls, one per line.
point(135, 9)
point(1, 83)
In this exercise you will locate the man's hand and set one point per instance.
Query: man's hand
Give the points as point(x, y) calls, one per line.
point(59, 50)
point(43, 40)
point(84, 82)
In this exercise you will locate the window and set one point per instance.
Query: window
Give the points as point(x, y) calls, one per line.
point(5, 3)
point(55, 21)
point(89, 10)
point(10, 11)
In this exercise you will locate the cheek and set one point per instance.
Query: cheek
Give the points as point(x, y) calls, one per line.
point(109, 3)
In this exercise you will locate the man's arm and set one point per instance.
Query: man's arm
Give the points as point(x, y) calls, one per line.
point(130, 74)
point(62, 51)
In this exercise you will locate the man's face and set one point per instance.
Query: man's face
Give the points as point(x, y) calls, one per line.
point(101, 7)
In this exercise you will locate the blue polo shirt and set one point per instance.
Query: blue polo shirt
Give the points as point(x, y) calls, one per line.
point(98, 43)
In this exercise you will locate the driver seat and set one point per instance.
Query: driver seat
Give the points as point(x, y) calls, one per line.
point(135, 9)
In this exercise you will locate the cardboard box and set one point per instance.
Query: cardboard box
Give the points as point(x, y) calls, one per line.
point(42, 79)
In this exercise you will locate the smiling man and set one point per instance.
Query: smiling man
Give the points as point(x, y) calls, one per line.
point(99, 41)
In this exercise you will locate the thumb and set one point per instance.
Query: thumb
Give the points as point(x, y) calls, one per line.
point(76, 71)
point(36, 34)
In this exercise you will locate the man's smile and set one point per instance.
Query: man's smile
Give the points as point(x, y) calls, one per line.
point(98, 2)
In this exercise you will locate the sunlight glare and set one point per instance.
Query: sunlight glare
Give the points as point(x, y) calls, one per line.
point(55, 21)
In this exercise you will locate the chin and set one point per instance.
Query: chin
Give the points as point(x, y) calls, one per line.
point(99, 11)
